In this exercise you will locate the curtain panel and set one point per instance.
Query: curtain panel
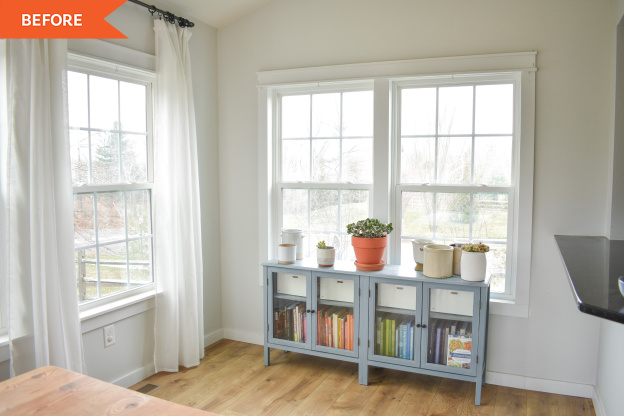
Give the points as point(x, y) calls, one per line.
point(37, 222)
point(179, 323)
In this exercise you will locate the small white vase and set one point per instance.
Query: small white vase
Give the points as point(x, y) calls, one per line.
point(473, 266)
point(325, 256)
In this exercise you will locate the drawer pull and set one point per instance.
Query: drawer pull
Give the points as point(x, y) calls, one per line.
point(417, 325)
point(424, 326)
point(340, 281)
point(295, 277)
point(454, 293)
point(399, 288)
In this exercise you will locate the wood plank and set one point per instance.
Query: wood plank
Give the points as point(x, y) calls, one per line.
point(354, 399)
point(542, 404)
point(449, 398)
point(575, 406)
point(419, 396)
point(217, 373)
point(388, 395)
point(510, 402)
point(286, 402)
point(267, 390)
point(324, 396)
point(488, 401)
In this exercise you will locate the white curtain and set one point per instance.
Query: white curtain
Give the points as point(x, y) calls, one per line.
point(44, 324)
point(179, 327)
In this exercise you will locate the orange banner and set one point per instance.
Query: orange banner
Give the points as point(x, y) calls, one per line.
point(64, 19)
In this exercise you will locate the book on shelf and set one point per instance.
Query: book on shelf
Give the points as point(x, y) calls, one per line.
point(431, 342)
point(459, 351)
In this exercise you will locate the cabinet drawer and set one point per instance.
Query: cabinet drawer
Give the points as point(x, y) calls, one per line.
point(336, 289)
point(451, 301)
point(396, 296)
point(291, 284)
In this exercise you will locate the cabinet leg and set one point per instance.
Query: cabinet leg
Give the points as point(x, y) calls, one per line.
point(267, 355)
point(478, 391)
point(363, 374)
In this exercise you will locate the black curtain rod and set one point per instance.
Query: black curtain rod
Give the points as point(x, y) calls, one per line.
point(169, 17)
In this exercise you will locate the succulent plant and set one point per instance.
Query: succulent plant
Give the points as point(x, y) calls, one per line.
point(321, 244)
point(369, 228)
point(476, 248)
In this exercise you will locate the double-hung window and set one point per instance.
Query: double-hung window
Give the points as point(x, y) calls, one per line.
point(324, 163)
point(442, 148)
point(456, 144)
point(110, 115)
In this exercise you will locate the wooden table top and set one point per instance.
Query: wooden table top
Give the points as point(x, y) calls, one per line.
point(55, 391)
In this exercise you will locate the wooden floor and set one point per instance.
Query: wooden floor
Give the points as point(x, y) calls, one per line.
point(232, 380)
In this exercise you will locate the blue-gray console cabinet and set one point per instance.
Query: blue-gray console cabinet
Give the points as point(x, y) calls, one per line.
point(394, 318)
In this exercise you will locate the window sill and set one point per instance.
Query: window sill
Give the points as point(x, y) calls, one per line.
point(102, 315)
point(508, 308)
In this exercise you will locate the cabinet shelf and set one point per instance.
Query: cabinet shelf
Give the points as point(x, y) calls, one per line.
point(395, 310)
point(330, 302)
point(450, 316)
point(290, 297)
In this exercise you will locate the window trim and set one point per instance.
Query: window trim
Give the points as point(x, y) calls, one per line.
point(382, 75)
point(89, 65)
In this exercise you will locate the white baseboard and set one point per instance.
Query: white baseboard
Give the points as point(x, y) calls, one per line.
point(540, 384)
point(244, 336)
point(598, 406)
point(135, 376)
point(213, 337)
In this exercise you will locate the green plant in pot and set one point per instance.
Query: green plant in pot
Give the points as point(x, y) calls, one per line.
point(369, 239)
point(325, 255)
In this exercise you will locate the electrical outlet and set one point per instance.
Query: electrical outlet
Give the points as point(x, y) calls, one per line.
point(109, 335)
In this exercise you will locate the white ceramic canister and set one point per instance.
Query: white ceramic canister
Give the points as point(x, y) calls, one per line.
point(294, 236)
point(418, 246)
point(286, 253)
point(438, 261)
point(473, 266)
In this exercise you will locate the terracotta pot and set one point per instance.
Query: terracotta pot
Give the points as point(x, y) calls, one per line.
point(369, 250)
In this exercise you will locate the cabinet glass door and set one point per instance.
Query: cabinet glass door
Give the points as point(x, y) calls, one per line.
point(336, 314)
point(289, 320)
point(395, 328)
point(451, 332)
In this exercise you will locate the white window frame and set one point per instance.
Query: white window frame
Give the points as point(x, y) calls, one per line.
point(385, 75)
point(100, 67)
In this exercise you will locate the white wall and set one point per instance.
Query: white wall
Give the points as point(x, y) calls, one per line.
point(574, 120)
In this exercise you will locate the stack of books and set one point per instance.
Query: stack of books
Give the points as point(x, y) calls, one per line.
point(335, 327)
point(449, 343)
point(394, 335)
point(290, 322)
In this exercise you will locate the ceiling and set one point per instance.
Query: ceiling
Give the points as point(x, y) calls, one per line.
point(216, 13)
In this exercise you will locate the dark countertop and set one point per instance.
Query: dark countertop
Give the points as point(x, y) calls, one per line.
point(593, 265)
